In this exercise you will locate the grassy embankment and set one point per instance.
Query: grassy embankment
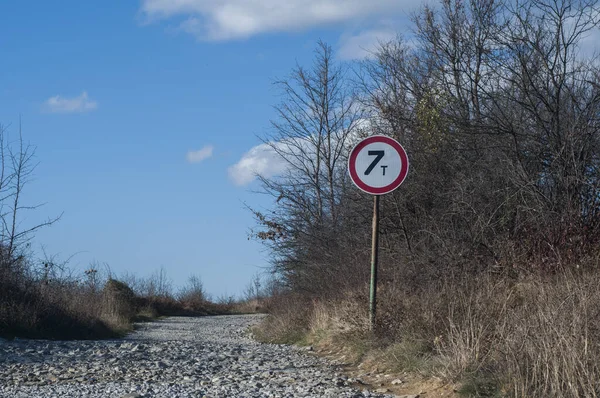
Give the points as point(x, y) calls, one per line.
point(68, 308)
point(490, 336)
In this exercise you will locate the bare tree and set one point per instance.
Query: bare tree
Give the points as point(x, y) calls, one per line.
point(193, 291)
point(498, 108)
point(17, 165)
point(254, 290)
point(158, 284)
point(315, 123)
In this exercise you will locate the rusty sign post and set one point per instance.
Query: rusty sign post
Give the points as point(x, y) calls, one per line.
point(374, 260)
point(377, 165)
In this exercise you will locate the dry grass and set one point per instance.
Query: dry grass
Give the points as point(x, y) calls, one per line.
point(287, 322)
point(551, 338)
point(533, 337)
point(253, 306)
point(51, 312)
point(347, 314)
point(71, 309)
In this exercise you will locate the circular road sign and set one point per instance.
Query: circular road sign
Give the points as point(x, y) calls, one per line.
point(378, 165)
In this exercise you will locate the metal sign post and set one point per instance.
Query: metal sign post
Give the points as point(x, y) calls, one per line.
point(377, 165)
point(374, 259)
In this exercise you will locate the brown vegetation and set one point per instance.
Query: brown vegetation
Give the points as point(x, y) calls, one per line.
point(95, 306)
point(489, 250)
point(497, 337)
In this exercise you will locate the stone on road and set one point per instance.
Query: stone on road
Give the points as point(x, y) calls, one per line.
point(172, 358)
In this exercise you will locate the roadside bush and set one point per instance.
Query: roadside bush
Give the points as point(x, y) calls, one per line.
point(93, 307)
point(288, 322)
point(192, 296)
point(549, 342)
point(119, 305)
point(536, 336)
point(33, 310)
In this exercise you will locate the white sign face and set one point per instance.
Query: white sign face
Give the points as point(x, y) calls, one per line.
point(378, 165)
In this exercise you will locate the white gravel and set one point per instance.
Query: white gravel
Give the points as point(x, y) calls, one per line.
point(174, 358)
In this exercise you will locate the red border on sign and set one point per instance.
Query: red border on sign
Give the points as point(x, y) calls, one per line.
point(367, 188)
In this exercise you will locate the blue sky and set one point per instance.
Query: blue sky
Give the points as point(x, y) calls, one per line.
point(145, 115)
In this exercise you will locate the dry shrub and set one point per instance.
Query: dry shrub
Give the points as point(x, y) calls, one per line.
point(146, 313)
point(69, 308)
point(288, 321)
point(192, 303)
point(119, 304)
point(292, 317)
point(64, 309)
point(550, 342)
point(50, 311)
point(253, 306)
point(192, 296)
point(164, 305)
point(343, 315)
point(472, 317)
point(538, 337)
point(529, 337)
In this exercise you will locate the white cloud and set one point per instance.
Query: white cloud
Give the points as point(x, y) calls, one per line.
point(259, 160)
point(364, 44)
point(79, 104)
point(200, 155)
point(267, 160)
point(234, 19)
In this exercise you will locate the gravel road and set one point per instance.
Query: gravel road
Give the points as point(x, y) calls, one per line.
point(175, 357)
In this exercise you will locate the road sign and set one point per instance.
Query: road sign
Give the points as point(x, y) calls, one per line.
point(378, 165)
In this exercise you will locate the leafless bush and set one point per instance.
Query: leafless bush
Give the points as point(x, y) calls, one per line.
point(288, 322)
point(550, 341)
point(119, 305)
point(254, 290)
point(192, 295)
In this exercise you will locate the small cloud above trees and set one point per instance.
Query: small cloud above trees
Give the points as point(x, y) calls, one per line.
point(200, 155)
point(81, 103)
point(260, 160)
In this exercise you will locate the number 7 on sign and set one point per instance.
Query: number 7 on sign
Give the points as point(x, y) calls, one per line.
point(379, 155)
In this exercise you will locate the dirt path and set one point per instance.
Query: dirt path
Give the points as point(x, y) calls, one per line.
point(175, 357)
